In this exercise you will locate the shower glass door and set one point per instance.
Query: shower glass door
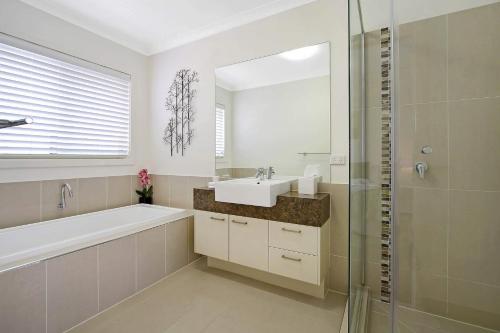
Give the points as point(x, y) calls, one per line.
point(448, 166)
point(425, 166)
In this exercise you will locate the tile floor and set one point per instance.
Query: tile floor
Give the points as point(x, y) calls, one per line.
point(202, 299)
point(414, 321)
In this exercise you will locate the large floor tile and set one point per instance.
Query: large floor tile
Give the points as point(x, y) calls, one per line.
point(202, 299)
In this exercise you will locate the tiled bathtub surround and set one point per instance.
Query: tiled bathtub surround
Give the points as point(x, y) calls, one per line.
point(29, 202)
point(56, 294)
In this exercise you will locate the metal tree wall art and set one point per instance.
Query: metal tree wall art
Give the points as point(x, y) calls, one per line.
point(179, 131)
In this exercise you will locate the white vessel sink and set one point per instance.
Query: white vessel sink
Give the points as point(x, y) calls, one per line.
point(252, 191)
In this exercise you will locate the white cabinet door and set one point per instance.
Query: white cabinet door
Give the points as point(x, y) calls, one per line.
point(211, 234)
point(248, 242)
point(294, 265)
point(294, 237)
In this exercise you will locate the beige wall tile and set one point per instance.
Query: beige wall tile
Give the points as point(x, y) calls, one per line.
point(426, 234)
point(356, 81)
point(431, 129)
point(192, 256)
point(71, 289)
point(119, 189)
point(373, 144)
point(117, 270)
point(474, 236)
point(179, 192)
point(22, 300)
point(177, 245)
point(161, 190)
point(473, 52)
point(430, 60)
point(428, 291)
point(474, 144)
point(91, 194)
point(424, 125)
point(339, 239)
point(51, 198)
point(20, 203)
point(372, 278)
point(406, 144)
point(373, 72)
point(339, 268)
point(474, 303)
point(150, 256)
point(407, 64)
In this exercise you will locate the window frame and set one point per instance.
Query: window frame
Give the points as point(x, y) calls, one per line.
point(23, 160)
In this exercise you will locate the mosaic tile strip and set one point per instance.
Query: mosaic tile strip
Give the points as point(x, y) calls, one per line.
point(386, 170)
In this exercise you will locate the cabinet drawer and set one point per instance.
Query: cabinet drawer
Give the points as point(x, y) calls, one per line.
point(294, 237)
point(211, 233)
point(294, 265)
point(248, 242)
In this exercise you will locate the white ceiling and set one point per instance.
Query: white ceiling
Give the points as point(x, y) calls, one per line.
point(274, 69)
point(152, 26)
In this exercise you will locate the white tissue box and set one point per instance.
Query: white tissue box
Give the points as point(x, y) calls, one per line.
point(309, 185)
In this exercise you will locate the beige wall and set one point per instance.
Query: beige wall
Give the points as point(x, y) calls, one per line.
point(317, 22)
point(23, 21)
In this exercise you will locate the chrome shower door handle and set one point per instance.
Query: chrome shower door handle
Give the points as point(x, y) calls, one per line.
point(421, 168)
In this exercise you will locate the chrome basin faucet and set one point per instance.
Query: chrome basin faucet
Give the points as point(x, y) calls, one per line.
point(65, 187)
point(270, 172)
point(261, 173)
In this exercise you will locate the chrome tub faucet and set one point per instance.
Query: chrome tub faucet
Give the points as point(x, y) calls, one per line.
point(65, 188)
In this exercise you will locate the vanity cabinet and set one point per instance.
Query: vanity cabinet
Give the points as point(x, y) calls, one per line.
point(295, 251)
point(211, 234)
point(294, 237)
point(248, 242)
point(295, 265)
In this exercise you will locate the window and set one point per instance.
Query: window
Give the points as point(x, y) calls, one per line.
point(219, 131)
point(79, 109)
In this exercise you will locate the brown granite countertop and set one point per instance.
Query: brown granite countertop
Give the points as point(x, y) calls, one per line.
point(291, 207)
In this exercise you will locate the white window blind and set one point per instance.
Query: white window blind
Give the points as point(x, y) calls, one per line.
point(219, 131)
point(78, 108)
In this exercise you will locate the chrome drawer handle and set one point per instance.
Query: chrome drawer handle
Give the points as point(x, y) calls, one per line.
point(239, 222)
point(291, 230)
point(290, 258)
point(217, 218)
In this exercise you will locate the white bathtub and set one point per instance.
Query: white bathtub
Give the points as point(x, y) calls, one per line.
point(30, 243)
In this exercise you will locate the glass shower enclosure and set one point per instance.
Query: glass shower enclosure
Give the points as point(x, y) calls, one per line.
point(425, 166)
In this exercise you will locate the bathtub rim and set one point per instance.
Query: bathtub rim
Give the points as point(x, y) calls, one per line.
point(180, 214)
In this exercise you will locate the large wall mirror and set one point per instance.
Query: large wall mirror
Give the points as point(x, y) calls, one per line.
point(274, 111)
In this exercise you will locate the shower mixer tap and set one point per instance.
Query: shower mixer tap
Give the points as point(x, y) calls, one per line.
point(421, 168)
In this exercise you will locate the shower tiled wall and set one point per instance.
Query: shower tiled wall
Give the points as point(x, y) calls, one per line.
point(449, 228)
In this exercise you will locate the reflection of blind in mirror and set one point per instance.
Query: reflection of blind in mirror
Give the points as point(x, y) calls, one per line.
point(219, 131)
